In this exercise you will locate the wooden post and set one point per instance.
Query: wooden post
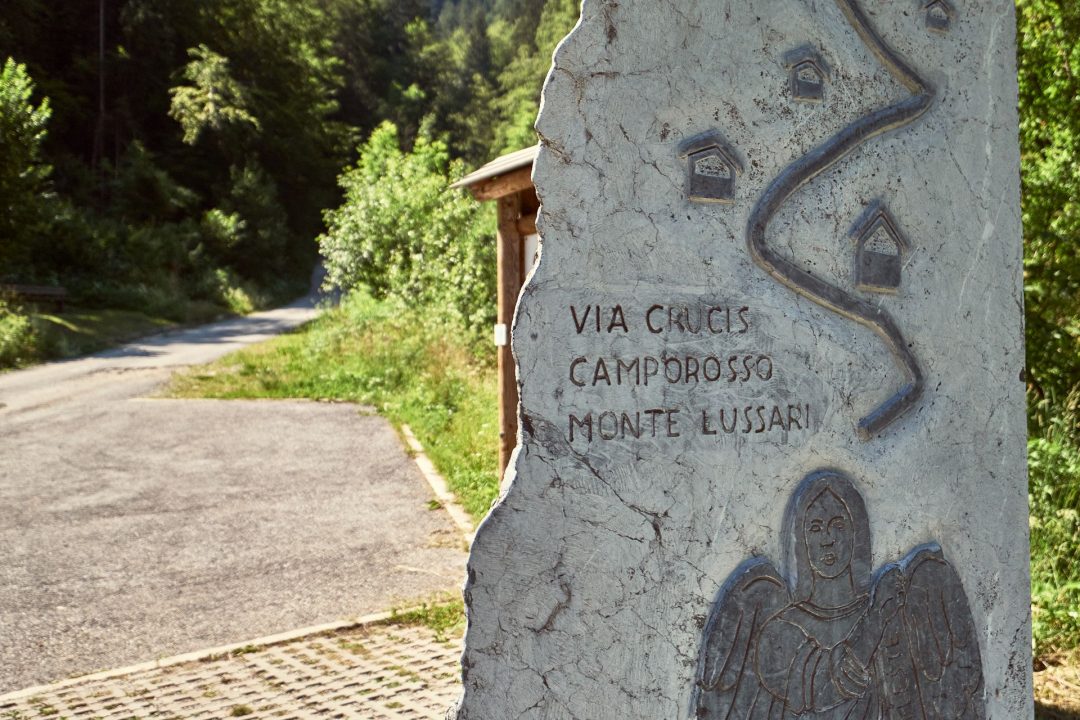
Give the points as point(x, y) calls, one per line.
point(508, 180)
point(509, 285)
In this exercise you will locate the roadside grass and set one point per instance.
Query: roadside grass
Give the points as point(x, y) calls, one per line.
point(79, 331)
point(103, 316)
point(1054, 472)
point(411, 366)
point(32, 337)
point(445, 617)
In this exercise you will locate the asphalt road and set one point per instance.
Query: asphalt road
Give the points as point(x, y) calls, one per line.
point(133, 528)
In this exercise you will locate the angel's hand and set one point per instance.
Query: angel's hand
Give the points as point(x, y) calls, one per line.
point(849, 674)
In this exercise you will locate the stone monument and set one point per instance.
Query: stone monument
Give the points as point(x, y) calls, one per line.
point(771, 458)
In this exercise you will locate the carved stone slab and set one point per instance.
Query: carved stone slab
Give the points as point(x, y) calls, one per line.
point(835, 640)
point(748, 276)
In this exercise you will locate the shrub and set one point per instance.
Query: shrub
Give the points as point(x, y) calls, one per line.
point(142, 192)
point(402, 233)
point(1050, 144)
point(260, 249)
point(1054, 472)
point(22, 173)
point(17, 337)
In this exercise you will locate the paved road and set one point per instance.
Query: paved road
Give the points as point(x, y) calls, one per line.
point(111, 374)
point(132, 529)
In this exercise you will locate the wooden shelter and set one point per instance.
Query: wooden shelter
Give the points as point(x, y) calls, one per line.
point(508, 181)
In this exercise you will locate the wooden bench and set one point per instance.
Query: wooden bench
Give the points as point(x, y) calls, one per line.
point(37, 294)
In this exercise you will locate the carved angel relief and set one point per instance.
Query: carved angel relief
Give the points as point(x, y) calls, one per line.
point(838, 643)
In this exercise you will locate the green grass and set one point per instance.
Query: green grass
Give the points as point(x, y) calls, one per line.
point(31, 334)
point(446, 618)
point(1054, 470)
point(31, 337)
point(414, 369)
point(80, 332)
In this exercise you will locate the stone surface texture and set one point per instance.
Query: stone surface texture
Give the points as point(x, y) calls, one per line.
point(591, 581)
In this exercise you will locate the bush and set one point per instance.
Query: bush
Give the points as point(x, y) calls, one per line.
point(143, 193)
point(1054, 474)
point(1050, 144)
point(155, 251)
point(261, 239)
point(17, 337)
point(22, 173)
point(402, 233)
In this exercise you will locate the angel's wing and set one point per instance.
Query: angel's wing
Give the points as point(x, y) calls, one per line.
point(728, 687)
point(943, 641)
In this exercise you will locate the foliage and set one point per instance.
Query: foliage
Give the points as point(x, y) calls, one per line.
point(1054, 467)
point(402, 233)
point(523, 78)
point(206, 135)
point(213, 100)
point(258, 239)
point(412, 367)
point(237, 186)
point(1050, 143)
point(478, 71)
point(144, 193)
point(1050, 140)
point(152, 251)
point(372, 40)
point(22, 172)
point(17, 337)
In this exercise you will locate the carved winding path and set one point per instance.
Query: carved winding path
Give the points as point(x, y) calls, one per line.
point(813, 164)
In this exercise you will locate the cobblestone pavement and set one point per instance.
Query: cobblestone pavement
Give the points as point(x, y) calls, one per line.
point(367, 673)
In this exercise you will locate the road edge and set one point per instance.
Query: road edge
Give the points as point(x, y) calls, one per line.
point(207, 654)
point(438, 485)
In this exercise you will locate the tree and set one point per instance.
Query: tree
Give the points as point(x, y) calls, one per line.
point(1050, 142)
point(1050, 172)
point(19, 22)
point(521, 82)
point(213, 100)
point(372, 42)
point(402, 233)
point(22, 171)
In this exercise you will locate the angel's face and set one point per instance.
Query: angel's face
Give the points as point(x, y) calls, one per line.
point(828, 533)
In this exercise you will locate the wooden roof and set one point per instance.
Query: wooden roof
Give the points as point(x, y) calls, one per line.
point(502, 176)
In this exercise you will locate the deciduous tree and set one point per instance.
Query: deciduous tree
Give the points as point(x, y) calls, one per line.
point(23, 127)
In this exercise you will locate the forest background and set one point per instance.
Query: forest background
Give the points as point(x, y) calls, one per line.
point(179, 158)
